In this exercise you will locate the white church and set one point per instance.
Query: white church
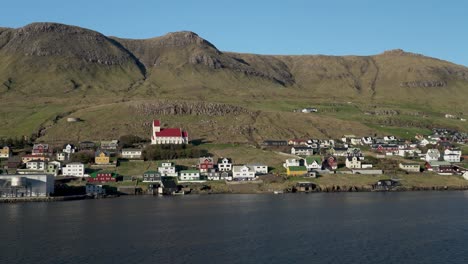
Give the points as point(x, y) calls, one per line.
point(167, 135)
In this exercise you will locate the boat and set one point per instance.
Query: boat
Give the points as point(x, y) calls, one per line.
point(278, 192)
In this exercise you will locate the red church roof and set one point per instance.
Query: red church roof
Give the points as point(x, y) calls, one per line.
point(156, 123)
point(169, 132)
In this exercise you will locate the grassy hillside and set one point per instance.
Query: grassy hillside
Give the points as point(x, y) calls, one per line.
point(51, 71)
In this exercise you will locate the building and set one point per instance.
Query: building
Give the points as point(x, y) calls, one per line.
point(435, 165)
point(5, 152)
point(102, 176)
point(452, 155)
point(14, 162)
point(102, 158)
point(218, 176)
point(69, 149)
point(131, 153)
point(242, 173)
point(330, 163)
point(152, 176)
point(291, 162)
point(258, 168)
point(224, 164)
point(303, 151)
point(167, 168)
point(27, 158)
point(93, 189)
point(409, 152)
point(205, 164)
point(432, 155)
point(26, 185)
point(297, 142)
point(296, 171)
point(62, 156)
point(353, 163)
point(74, 169)
point(167, 135)
point(189, 175)
point(410, 167)
point(275, 143)
point(87, 145)
point(37, 165)
point(110, 145)
point(313, 163)
point(41, 150)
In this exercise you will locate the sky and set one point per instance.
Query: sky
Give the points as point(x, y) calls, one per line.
point(293, 27)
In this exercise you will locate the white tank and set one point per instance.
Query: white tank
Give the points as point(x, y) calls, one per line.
point(18, 181)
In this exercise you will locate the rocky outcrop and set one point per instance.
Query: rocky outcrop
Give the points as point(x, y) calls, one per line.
point(414, 84)
point(187, 108)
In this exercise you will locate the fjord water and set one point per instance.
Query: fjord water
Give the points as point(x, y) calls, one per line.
point(411, 227)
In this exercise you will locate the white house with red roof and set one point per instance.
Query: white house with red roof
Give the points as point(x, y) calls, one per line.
point(168, 135)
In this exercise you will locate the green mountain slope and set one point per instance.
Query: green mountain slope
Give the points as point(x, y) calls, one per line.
point(49, 71)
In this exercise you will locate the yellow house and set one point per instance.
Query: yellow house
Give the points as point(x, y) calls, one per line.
point(101, 158)
point(296, 171)
point(5, 152)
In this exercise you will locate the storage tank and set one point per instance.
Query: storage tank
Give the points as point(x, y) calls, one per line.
point(18, 181)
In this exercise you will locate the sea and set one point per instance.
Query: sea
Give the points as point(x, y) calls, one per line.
point(394, 227)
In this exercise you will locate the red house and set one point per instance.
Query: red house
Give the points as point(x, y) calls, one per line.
point(205, 164)
point(41, 149)
point(103, 177)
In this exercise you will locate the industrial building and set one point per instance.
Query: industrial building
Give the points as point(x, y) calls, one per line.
point(26, 185)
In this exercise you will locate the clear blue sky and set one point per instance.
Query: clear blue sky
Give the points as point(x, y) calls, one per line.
point(362, 27)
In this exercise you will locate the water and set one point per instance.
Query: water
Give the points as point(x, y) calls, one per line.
point(416, 227)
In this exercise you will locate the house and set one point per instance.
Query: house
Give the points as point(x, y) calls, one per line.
point(5, 152)
point(102, 158)
point(37, 165)
point(432, 155)
point(367, 140)
point(167, 168)
point(167, 135)
point(258, 168)
point(275, 143)
point(131, 153)
point(69, 149)
point(330, 163)
point(74, 169)
point(27, 158)
point(61, 156)
point(41, 150)
point(385, 148)
point(312, 163)
point(355, 152)
point(296, 171)
point(291, 162)
point(408, 152)
point(355, 141)
point(347, 138)
point(110, 145)
point(409, 167)
point(152, 176)
point(326, 143)
point(95, 190)
point(297, 142)
point(13, 162)
point(102, 176)
point(389, 138)
point(304, 151)
point(452, 155)
point(353, 163)
point(435, 165)
point(242, 173)
point(214, 175)
point(189, 175)
point(340, 152)
point(224, 164)
point(87, 145)
point(308, 110)
point(205, 164)
point(52, 168)
point(25, 185)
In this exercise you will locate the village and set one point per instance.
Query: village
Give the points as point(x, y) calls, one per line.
point(88, 168)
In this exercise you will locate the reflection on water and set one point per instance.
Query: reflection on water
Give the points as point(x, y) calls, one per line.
point(413, 227)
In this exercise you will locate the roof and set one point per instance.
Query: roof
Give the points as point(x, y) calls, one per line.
point(156, 123)
point(151, 172)
point(95, 174)
point(310, 160)
point(439, 163)
point(409, 164)
point(297, 168)
point(302, 147)
point(169, 132)
point(131, 149)
point(220, 160)
point(189, 171)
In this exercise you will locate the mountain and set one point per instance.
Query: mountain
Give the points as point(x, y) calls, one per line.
point(53, 70)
